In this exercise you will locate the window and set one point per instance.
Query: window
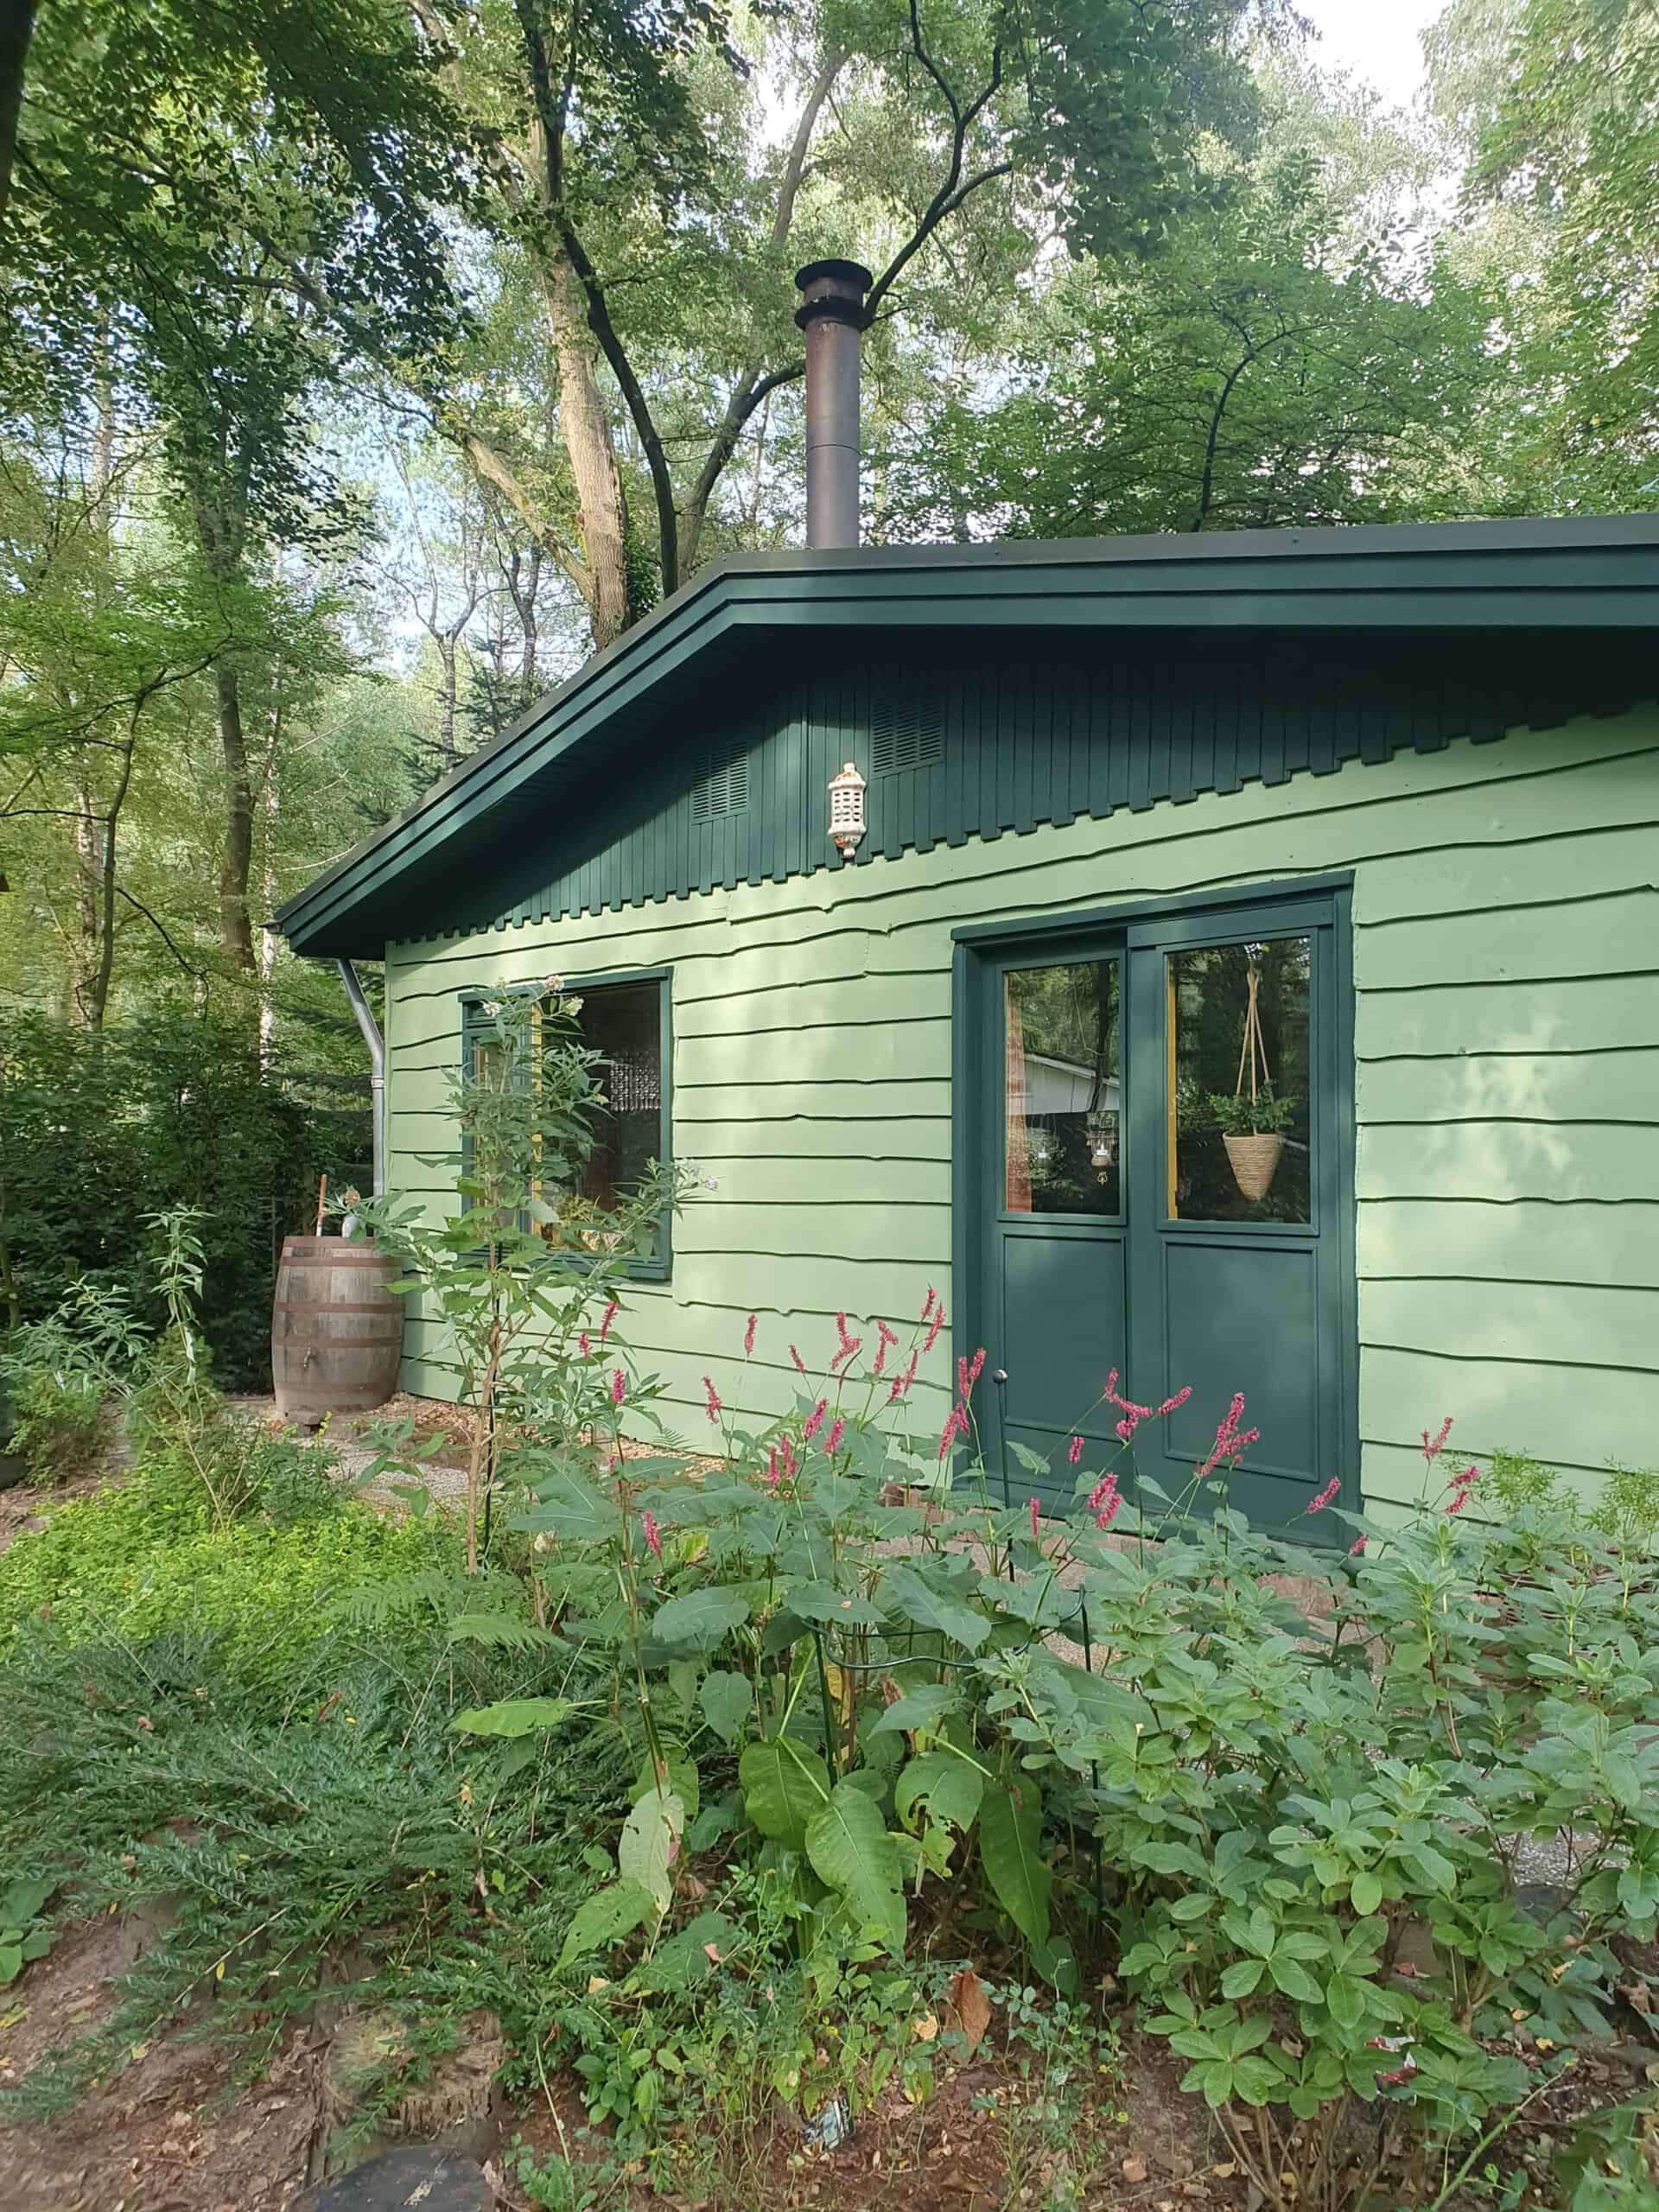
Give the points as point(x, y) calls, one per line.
point(1239, 1109)
point(1061, 1113)
point(626, 1023)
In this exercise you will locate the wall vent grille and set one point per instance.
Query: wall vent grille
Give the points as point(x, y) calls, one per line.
point(723, 787)
point(902, 736)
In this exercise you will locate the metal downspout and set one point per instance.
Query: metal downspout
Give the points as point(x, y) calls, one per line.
point(377, 1044)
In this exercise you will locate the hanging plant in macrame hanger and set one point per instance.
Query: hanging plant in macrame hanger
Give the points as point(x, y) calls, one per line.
point(1253, 1120)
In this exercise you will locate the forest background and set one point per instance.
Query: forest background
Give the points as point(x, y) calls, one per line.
point(366, 363)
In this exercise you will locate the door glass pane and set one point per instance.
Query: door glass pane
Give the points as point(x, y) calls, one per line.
point(1062, 1149)
point(1239, 1081)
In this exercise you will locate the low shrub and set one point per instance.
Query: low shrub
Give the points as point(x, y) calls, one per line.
point(63, 1374)
point(1313, 1826)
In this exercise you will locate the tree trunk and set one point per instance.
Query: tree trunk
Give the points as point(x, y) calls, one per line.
point(585, 427)
point(448, 656)
point(17, 23)
point(89, 994)
point(235, 930)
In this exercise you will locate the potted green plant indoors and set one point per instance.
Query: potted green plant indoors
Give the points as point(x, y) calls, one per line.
point(1253, 1123)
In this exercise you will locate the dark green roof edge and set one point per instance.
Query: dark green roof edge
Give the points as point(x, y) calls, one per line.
point(1599, 572)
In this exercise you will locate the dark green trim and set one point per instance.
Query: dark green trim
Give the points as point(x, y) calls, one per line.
point(1038, 926)
point(976, 1093)
point(752, 618)
point(660, 1267)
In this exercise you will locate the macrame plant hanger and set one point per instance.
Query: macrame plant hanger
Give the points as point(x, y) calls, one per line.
point(1254, 1155)
point(1253, 1049)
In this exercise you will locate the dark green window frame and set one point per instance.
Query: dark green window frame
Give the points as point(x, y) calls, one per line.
point(658, 1266)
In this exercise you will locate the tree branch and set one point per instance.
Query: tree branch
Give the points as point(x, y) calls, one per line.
point(196, 975)
point(952, 192)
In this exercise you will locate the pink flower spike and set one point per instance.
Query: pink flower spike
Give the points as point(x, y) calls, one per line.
point(611, 1312)
point(583, 1345)
point(1108, 1512)
point(902, 1380)
point(934, 1328)
point(842, 1333)
point(814, 1420)
point(1356, 1548)
point(1127, 1426)
point(1459, 1499)
point(1467, 1480)
point(653, 1541)
point(786, 1455)
point(1169, 1404)
point(1036, 1522)
point(800, 1365)
point(712, 1397)
point(837, 1430)
point(748, 1335)
point(848, 1351)
point(1318, 1505)
point(772, 1467)
point(928, 1303)
point(1074, 1452)
point(948, 1433)
point(1105, 1488)
point(619, 1386)
point(1433, 1449)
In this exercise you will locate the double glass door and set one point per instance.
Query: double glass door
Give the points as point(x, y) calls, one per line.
point(1161, 1170)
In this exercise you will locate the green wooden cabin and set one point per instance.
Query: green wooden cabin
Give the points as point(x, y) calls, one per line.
point(1399, 787)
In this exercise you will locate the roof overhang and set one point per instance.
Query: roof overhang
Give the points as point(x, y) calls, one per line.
point(1533, 575)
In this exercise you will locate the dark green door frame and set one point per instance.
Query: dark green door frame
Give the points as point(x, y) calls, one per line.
point(1161, 1254)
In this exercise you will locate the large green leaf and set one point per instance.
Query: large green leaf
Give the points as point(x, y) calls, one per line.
point(783, 1785)
point(651, 1837)
point(950, 1788)
point(514, 1716)
point(685, 1959)
point(1010, 1829)
point(823, 1602)
point(929, 1608)
point(699, 1619)
point(570, 1509)
point(847, 1843)
point(682, 1778)
point(919, 1708)
point(605, 1918)
point(728, 1700)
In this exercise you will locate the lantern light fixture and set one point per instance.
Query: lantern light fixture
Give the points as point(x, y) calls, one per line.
point(847, 811)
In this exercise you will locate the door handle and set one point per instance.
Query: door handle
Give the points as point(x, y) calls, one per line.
point(999, 1375)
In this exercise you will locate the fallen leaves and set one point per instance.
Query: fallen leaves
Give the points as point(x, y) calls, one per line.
point(968, 2009)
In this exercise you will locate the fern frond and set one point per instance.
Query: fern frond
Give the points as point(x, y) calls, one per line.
point(500, 1631)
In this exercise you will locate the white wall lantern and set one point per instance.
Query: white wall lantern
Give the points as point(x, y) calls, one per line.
point(847, 811)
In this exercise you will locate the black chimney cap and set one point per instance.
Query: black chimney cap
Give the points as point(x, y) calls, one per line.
point(841, 298)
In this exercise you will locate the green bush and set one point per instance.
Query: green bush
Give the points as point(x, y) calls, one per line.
point(62, 1374)
point(99, 1131)
point(1310, 1828)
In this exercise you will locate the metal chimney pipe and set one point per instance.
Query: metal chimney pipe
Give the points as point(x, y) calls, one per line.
point(832, 314)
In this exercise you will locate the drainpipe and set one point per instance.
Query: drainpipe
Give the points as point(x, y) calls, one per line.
point(377, 1044)
point(833, 316)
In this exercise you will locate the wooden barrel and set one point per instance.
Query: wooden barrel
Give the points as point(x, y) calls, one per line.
point(336, 1331)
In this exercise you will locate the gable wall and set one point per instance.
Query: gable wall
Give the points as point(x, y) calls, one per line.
point(1507, 1031)
point(988, 739)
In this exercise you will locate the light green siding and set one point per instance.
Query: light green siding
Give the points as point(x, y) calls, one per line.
point(1506, 964)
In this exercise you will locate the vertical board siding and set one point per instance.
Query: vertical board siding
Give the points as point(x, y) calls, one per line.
point(1089, 727)
point(1506, 961)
